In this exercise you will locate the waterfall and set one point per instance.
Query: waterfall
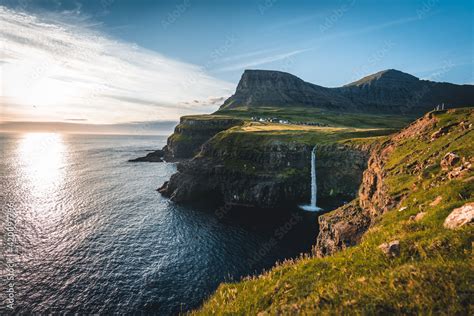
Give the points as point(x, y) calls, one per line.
point(314, 187)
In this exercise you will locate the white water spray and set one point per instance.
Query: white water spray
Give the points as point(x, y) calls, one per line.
point(314, 187)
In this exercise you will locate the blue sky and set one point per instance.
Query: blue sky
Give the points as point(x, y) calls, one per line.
point(329, 43)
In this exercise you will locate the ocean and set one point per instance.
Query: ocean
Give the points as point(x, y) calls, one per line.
point(84, 231)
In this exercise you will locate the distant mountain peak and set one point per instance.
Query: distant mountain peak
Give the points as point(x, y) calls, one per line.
point(258, 78)
point(388, 75)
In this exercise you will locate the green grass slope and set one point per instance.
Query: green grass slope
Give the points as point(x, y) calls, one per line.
point(434, 272)
point(255, 133)
point(321, 116)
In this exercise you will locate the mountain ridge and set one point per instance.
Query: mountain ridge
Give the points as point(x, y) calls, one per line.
point(387, 91)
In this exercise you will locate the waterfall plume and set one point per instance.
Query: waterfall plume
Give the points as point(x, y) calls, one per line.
point(314, 187)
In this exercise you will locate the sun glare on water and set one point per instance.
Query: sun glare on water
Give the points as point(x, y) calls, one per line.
point(41, 159)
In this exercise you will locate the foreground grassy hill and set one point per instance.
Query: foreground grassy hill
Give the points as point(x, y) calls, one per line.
point(426, 173)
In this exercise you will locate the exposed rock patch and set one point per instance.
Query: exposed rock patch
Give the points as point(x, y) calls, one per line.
point(391, 249)
point(436, 201)
point(449, 160)
point(418, 217)
point(461, 216)
point(341, 229)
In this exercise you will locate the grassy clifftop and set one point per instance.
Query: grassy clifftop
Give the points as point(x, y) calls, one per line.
point(321, 116)
point(260, 133)
point(432, 273)
point(309, 126)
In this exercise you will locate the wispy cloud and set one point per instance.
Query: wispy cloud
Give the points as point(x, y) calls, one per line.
point(369, 28)
point(260, 61)
point(245, 55)
point(52, 70)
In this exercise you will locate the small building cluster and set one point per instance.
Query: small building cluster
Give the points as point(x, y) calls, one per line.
point(282, 121)
point(269, 120)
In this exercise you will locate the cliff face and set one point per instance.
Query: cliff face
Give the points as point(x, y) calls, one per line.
point(410, 161)
point(387, 92)
point(235, 169)
point(192, 132)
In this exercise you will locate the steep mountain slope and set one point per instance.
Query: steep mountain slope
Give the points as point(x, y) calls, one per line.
point(411, 248)
point(393, 91)
point(280, 89)
point(389, 92)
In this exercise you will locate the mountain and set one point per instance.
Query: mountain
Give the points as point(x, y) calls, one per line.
point(281, 89)
point(389, 91)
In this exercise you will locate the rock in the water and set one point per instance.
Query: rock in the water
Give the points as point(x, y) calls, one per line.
point(449, 160)
point(461, 216)
point(391, 249)
point(155, 156)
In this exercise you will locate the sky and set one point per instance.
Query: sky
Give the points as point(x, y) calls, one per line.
point(142, 61)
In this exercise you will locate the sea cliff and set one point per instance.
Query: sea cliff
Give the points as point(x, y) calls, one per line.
point(268, 165)
point(403, 246)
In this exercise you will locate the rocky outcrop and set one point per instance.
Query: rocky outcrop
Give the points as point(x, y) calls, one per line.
point(449, 160)
point(391, 249)
point(388, 91)
point(154, 156)
point(192, 132)
point(341, 229)
point(460, 217)
point(345, 226)
point(268, 175)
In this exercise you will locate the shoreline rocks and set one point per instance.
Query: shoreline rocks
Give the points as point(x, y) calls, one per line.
point(154, 156)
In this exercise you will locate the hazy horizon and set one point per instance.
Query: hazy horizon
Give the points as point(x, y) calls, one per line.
point(132, 128)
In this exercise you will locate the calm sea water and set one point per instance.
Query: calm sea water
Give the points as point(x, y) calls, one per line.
point(84, 231)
